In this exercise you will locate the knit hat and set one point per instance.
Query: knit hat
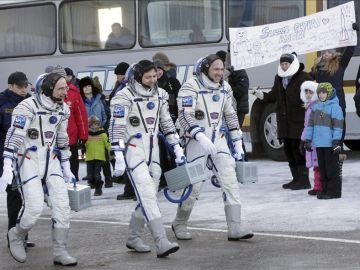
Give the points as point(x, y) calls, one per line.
point(287, 57)
point(162, 57)
point(222, 55)
point(48, 69)
point(326, 87)
point(121, 68)
point(69, 71)
point(159, 64)
point(59, 70)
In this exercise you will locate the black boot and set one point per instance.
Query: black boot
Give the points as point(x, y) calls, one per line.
point(303, 181)
point(294, 173)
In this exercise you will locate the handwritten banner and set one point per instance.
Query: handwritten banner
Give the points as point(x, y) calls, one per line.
point(259, 45)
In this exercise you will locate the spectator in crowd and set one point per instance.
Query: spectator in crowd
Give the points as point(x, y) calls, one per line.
point(120, 83)
point(16, 92)
point(78, 121)
point(171, 86)
point(290, 114)
point(309, 97)
point(169, 67)
point(324, 132)
point(71, 78)
point(97, 148)
point(93, 103)
point(330, 67)
point(239, 82)
point(120, 37)
point(105, 165)
point(196, 35)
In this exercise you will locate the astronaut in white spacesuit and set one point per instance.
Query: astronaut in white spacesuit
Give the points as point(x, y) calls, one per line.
point(33, 142)
point(205, 104)
point(137, 112)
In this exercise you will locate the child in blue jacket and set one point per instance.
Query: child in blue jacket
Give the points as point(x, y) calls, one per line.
point(324, 132)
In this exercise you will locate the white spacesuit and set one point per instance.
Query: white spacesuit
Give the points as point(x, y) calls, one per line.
point(36, 137)
point(137, 113)
point(205, 105)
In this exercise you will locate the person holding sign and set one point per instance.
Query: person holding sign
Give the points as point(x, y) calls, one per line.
point(290, 114)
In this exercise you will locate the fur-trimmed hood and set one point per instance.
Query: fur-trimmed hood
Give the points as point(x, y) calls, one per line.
point(311, 86)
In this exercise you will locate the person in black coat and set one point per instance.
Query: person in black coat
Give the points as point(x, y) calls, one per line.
point(9, 99)
point(290, 115)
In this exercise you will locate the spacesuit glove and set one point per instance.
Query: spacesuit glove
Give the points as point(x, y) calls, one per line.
point(68, 175)
point(336, 147)
point(206, 143)
point(258, 93)
point(119, 164)
point(239, 151)
point(7, 175)
point(308, 146)
point(179, 154)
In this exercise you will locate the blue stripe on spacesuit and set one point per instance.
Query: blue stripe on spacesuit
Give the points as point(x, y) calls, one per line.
point(23, 183)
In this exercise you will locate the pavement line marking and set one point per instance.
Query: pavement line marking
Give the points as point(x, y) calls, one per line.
point(326, 239)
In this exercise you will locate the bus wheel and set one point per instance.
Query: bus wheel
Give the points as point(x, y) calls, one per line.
point(352, 144)
point(268, 134)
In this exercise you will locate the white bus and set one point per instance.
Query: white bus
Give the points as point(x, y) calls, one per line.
point(36, 34)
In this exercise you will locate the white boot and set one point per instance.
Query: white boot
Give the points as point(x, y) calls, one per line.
point(179, 225)
point(16, 236)
point(163, 246)
point(61, 256)
point(134, 241)
point(233, 219)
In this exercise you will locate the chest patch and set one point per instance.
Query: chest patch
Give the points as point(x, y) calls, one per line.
point(19, 121)
point(52, 119)
point(150, 120)
point(199, 115)
point(134, 121)
point(187, 101)
point(33, 133)
point(119, 111)
point(214, 115)
point(48, 134)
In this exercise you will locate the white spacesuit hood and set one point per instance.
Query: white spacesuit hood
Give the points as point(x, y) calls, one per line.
point(142, 91)
point(209, 83)
point(48, 103)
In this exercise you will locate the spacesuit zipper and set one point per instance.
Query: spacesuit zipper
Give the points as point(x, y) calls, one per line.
point(151, 147)
point(46, 165)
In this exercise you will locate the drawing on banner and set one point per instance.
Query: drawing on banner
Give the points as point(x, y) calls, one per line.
point(259, 45)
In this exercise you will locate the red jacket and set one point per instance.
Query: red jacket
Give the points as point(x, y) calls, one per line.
point(78, 122)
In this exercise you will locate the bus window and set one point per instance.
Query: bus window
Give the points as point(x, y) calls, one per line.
point(333, 3)
point(97, 25)
point(168, 22)
point(33, 31)
point(243, 13)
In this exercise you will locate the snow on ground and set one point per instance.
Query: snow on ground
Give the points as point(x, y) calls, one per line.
point(266, 206)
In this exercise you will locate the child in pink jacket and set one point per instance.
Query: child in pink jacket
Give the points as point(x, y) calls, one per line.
point(309, 97)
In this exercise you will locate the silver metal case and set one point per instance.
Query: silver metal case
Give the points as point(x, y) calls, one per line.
point(79, 197)
point(184, 175)
point(246, 172)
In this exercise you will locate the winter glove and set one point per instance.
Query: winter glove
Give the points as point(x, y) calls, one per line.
point(239, 151)
point(308, 146)
point(119, 164)
point(258, 93)
point(81, 144)
point(355, 26)
point(336, 147)
point(68, 175)
point(7, 176)
point(302, 148)
point(179, 154)
point(206, 143)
